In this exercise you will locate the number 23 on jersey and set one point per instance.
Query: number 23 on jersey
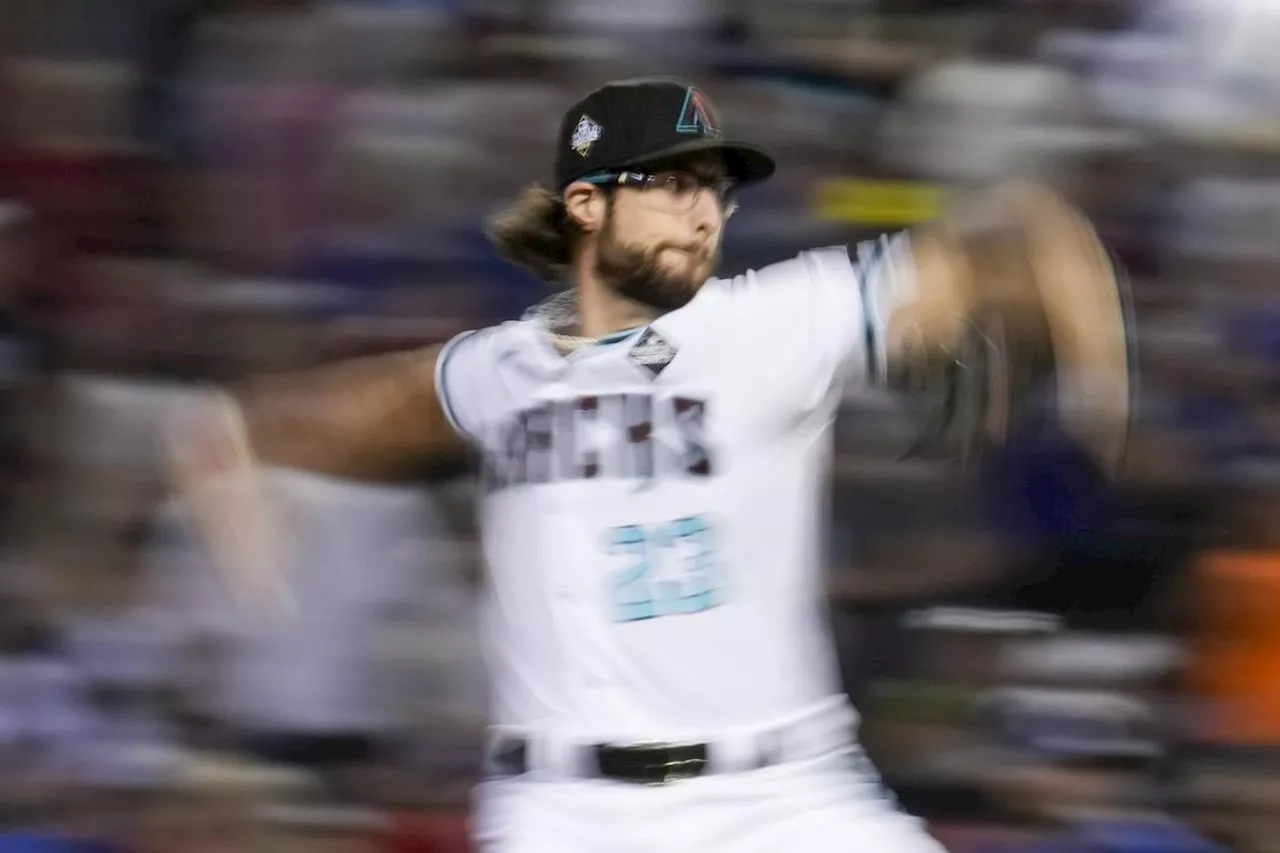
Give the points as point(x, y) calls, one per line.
point(667, 569)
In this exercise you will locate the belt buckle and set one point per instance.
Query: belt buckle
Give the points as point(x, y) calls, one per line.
point(672, 769)
point(664, 776)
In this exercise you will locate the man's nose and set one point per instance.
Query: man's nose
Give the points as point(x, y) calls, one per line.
point(706, 215)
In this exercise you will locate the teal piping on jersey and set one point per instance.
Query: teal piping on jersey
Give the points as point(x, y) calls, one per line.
point(616, 337)
point(557, 313)
point(442, 385)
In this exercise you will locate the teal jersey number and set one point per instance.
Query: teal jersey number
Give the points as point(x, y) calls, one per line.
point(671, 570)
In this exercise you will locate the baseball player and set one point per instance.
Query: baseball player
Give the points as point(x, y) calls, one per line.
point(653, 446)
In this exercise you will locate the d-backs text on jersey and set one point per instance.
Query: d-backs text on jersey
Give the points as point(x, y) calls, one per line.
point(634, 435)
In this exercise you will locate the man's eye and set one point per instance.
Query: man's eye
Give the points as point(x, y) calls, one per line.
point(680, 185)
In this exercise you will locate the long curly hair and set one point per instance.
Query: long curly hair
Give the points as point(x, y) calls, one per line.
point(536, 233)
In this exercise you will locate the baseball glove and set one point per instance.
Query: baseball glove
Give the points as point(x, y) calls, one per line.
point(1038, 321)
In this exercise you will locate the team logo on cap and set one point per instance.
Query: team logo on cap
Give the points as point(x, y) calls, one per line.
point(696, 116)
point(585, 135)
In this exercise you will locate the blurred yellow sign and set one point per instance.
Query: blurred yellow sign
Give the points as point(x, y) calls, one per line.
point(882, 203)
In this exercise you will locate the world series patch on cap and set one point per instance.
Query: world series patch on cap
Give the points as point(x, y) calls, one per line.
point(632, 123)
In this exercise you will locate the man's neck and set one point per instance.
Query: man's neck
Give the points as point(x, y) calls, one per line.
point(602, 311)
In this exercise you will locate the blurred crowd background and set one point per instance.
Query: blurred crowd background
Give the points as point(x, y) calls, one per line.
point(194, 190)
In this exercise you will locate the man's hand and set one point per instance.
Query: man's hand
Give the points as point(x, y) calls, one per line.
point(224, 499)
point(1014, 289)
point(1086, 306)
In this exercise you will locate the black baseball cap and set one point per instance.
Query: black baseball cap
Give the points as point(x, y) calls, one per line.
point(630, 123)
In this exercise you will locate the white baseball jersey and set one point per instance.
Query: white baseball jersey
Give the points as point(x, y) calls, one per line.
point(654, 508)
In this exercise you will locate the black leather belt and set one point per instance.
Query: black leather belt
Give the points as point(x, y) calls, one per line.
point(648, 764)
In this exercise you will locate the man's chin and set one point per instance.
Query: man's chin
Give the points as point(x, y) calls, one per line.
point(685, 280)
point(681, 263)
point(667, 298)
point(689, 272)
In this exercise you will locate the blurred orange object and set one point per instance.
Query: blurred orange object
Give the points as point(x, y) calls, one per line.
point(1236, 653)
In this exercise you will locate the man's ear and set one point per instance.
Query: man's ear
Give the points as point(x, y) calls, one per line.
point(586, 205)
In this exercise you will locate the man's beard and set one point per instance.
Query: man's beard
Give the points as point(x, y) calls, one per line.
point(639, 275)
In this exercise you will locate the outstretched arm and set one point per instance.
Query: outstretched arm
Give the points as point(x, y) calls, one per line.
point(369, 418)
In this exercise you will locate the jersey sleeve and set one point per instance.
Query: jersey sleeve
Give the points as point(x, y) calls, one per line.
point(885, 279)
point(465, 376)
point(828, 308)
